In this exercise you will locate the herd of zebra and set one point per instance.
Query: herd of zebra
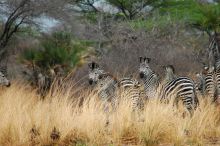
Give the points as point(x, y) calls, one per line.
point(150, 86)
point(170, 87)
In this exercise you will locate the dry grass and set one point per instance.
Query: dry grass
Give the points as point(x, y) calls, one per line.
point(26, 120)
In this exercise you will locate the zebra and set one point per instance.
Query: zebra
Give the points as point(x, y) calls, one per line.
point(179, 87)
point(211, 85)
point(212, 71)
point(105, 84)
point(132, 90)
point(4, 81)
point(149, 77)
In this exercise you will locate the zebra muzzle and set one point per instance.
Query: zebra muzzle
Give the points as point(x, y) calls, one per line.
point(8, 85)
point(90, 82)
point(141, 75)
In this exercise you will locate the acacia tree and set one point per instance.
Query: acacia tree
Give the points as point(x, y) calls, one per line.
point(131, 8)
point(18, 13)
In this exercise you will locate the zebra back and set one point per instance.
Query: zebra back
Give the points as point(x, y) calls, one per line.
point(131, 88)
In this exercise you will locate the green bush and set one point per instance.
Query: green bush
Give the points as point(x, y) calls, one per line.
point(57, 49)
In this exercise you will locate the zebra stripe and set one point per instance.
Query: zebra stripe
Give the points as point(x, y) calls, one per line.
point(131, 88)
point(212, 85)
point(183, 88)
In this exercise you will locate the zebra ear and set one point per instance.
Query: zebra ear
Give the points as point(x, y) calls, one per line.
point(197, 74)
point(96, 65)
point(147, 60)
point(141, 58)
point(206, 68)
point(172, 68)
point(92, 65)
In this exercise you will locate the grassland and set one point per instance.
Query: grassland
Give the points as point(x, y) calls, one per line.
point(28, 120)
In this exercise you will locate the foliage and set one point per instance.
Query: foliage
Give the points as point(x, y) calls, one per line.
point(157, 21)
point(205, 17)
point(28, 31)
point(57, 49)
point(131, 8)
point(18, 13)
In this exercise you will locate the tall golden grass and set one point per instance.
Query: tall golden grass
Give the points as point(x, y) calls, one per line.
point(28, 120)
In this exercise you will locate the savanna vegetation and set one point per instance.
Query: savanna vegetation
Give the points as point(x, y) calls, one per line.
point(45, 47)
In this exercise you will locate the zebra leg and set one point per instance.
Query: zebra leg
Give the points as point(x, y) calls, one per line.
point(114, 103)
point(188, 103)
point(176, 101)
point(105, 106)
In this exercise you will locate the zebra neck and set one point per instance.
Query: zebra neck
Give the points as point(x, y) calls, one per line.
point(151, 82)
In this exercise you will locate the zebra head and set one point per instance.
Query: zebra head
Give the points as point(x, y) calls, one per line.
point(169, 73)
point(207, 69)
point(144, 69)
point(200, 81)
point(4, 81)
point(169, 69)
point(95, 73)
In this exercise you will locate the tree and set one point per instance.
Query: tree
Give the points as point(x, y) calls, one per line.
point(87, 5)
point(131, 8)
point(20, 13)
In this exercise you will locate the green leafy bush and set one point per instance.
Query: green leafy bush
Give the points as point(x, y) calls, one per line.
point(58, 49)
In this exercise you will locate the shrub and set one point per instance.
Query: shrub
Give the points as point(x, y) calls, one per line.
point(57, 49)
